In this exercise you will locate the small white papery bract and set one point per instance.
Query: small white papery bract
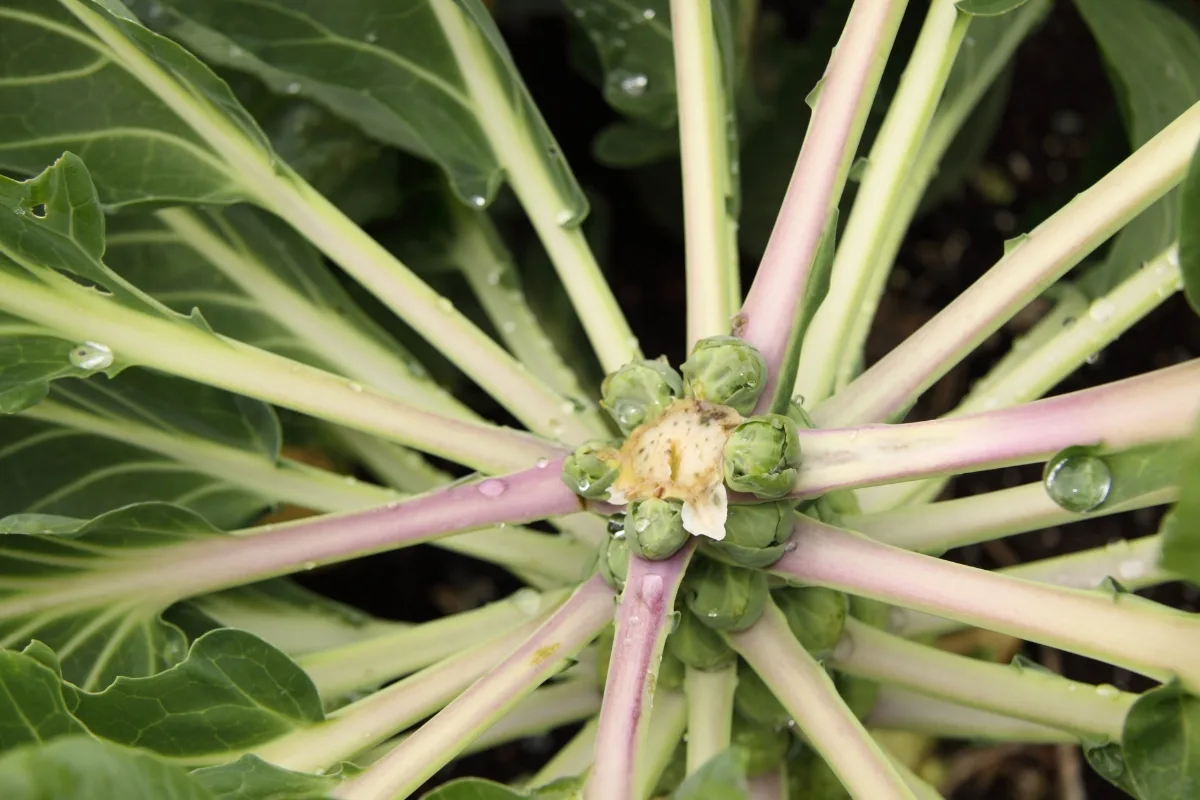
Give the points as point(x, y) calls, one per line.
point(678, 456)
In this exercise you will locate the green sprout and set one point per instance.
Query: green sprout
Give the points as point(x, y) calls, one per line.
point(638, 392)
point(654, 528)
point(755, 534)
point(727, 371)
point(762, 456)
point(725, 597)
point(591, 469)
point(698, 646)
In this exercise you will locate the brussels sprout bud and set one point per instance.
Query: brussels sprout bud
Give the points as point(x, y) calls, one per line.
point(654, 528)
point(727, 371)
point(614, 561)
point(754, 534)
point(762, 455)
point(697, 646)
point(754, 701)
point(638, 392)
point(725, 597)
point(815, 616)
point(591, 469)
point(859, 694)
point(762, 747)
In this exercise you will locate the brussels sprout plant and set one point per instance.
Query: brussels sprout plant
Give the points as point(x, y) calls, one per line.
point(216, 304)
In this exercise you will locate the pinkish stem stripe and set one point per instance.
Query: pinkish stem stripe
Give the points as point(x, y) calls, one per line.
point(218, 562)
point(1127, 631)
point(439, 740)
point(1157, 406)
point(773, 302)
point(642, 621)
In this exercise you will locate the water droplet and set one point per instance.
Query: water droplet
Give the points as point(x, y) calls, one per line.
point(492, 487)
point(844, 649)
point(542, 463)
point(236, 52)
point(372, 37)
point(493, 277)
point(91, 355)
point(19, 211)
point(634, 85)
point(310, 565)
point(789, 547)
point(319, 771)
point(1078, 483)
point(293, 87)
point(1102, 311)
point(527, 601)
point(649, 13)
point(1108, 690)
point(1173, 256)
point(641, 525)
point(355, 387)
point(1094, 358)
point(652, 588)
point(619, 533)
point(508, 326)
point(634, 620)
point(444, 304)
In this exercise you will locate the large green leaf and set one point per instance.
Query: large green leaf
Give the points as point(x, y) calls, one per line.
point(81, 768)
point(30, 358)
point(1181, 528)
point(1189, 232)
point(63, 88)
point(32, 708)
point(390, 69)
point(1153, 56)
point(103, 636)
point(723, 777)
point(1161, 744)
point(232, 692)
point(251, 778)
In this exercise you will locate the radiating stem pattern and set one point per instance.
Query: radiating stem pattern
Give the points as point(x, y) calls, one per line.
point(902, 710)
point(808, 693)
point(643, 619)
point(1082, 622)
point(1050, 250)
point(710, 712)
point(844, 99)
point(1028, 694)
point(440, 739)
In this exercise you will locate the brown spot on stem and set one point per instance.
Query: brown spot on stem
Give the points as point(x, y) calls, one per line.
point(543, 654)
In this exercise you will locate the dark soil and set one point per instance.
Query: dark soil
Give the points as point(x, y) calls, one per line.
point(1059, 132)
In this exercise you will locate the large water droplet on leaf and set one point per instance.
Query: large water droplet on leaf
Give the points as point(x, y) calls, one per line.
point(1078, 482)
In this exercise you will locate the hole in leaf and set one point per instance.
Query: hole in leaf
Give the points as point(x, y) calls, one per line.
point(39, 210)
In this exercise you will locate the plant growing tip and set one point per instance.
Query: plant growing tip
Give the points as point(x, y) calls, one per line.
point(727, 371)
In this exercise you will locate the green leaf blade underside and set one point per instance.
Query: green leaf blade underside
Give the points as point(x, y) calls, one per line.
point(250, 778)
point(32, 707)
point(28, 363)
point(1153, 56)
point(387, 69)
point(636, 50)
point(723, 777)
point(1181, 528)
point(138, 149)
point(100, 640)
point(232, 692)
point(1161, 744)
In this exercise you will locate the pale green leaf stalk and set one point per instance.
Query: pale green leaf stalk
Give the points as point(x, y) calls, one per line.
point(709, 230)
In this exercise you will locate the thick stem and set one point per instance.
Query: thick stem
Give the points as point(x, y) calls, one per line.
point(668, 722)
point(704, 149)
point(1051, 249)
point(1029, 694)
point(335, 339)
point(941, 526)
point(378, 660)
point(187, 351)
point(710, 712)
point(440, 739)
point(1036, 370)
point(547, 708)
point(901, 710)
point(211, 563)
point(1154, 407)
point(643, 620)
point(889, 165)
point(555, 217)
point(358, 727)
point(1124, 629)
point(1134, 564)
point(575, 757)
point(844, 98)
point(807, 692)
